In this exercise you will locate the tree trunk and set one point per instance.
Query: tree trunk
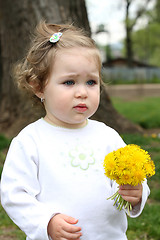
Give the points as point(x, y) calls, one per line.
point(129, 52)
point(18, 18)
point(129, 25)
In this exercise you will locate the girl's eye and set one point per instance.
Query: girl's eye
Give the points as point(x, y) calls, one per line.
point(69, 82)
point(91, 82)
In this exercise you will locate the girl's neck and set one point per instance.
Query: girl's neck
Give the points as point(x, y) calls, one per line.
point(69, 126)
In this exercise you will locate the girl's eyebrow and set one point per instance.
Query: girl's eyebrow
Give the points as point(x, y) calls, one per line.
point(69, 75)
point(93, 75)
point(75, 75)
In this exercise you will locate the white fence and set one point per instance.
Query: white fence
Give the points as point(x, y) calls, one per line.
point(139, 75)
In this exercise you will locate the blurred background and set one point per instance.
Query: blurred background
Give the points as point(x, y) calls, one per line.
point(127, 33)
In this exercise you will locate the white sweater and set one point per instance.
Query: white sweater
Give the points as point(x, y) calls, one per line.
point(51, 170)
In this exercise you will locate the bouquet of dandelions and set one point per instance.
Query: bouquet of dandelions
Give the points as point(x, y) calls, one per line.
point(128, 165)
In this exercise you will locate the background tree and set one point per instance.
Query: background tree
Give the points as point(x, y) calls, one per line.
point(130, 23)
point(146, 44)
point(18, 18)
point(155, 16)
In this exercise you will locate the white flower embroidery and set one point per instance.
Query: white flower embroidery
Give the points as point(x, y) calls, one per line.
point(81, 157)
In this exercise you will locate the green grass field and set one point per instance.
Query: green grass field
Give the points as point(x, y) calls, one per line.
point(146, 226)
point(145, 112)
point(8, 230)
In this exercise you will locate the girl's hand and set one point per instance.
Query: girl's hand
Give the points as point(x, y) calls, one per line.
point(132, 194)
point(61, 227)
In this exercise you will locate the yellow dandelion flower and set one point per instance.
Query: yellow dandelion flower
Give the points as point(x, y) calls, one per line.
point(149, 168)
point(126, 177)
point(153, 135)
point(139, 177)
point(128, 165)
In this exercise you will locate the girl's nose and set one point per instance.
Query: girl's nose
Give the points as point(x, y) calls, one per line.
point(81, 92)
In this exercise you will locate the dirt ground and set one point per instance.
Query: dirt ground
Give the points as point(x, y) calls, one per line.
point(134, 91)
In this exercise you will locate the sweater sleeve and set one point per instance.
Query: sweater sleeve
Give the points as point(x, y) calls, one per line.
point(20, 188)
point(137, 210)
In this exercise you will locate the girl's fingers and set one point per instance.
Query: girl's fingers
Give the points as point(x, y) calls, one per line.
point(133, 191)
point(71, 229)
point(129, 187)
point(68, 235)
point(69, 219)
point(132, 194)
point(132, 200)
point(69, 225)
point(63, 227)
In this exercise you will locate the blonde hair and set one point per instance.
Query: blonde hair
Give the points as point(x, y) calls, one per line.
point(32, 73)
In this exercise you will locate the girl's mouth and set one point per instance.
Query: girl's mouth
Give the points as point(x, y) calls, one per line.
point(81, 108)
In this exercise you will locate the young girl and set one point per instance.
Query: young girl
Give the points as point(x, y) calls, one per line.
point(53, 184)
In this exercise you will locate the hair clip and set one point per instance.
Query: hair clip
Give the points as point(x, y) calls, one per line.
point(55, 37)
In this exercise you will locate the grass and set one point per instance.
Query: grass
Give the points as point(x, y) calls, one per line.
point(8, 230)
point(145, 227)
point(4, 144)
point(145, 112)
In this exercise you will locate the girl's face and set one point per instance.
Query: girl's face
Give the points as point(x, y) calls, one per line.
point(73, 89)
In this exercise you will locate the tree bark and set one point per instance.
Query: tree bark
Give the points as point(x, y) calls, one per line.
point(18, 19)
point(129, 51)
point(129, 25)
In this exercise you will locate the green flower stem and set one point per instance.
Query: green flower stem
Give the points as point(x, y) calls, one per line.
point(121, 202)
point(113, 196)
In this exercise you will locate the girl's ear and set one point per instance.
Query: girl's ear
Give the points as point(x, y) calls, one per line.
point(34, 88)
point(39, 95)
